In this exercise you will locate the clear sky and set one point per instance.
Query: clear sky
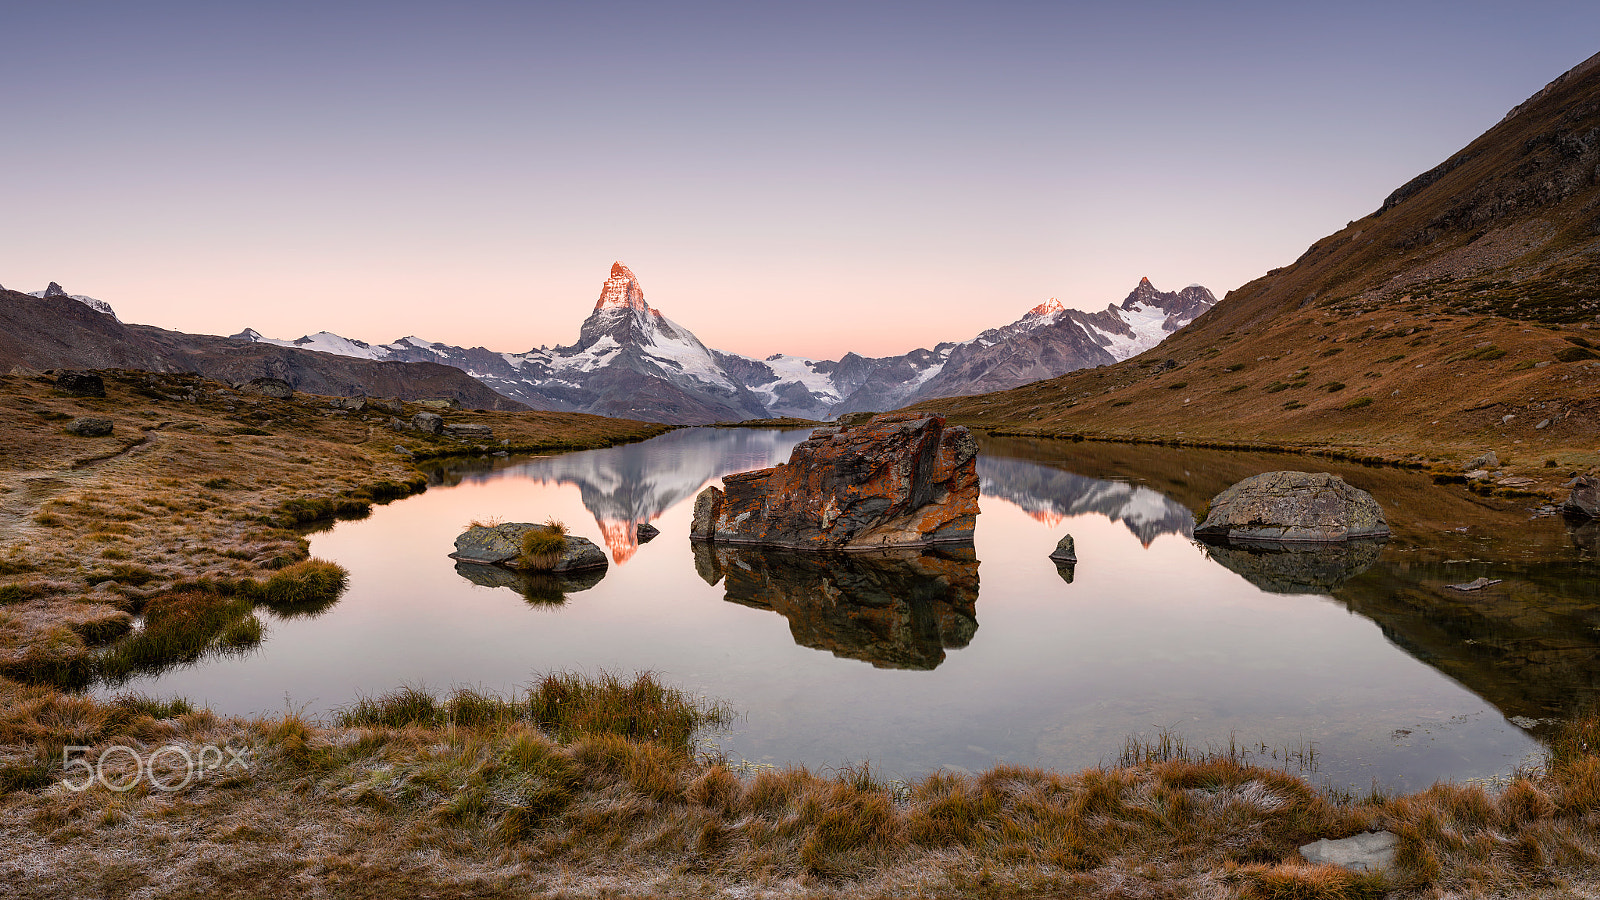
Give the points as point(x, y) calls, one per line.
point(808, 178)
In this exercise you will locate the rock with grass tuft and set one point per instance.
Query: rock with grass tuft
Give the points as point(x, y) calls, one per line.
point(502, 545)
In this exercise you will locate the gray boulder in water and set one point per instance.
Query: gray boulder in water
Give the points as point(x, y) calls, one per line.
point(501, 545)
point(1293, 507)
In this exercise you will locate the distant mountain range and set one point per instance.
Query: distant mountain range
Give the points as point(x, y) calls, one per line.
point(51, 329)
point(633, 362)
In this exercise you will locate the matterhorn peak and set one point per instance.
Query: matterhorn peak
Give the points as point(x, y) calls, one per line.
point(1044, 309)
point(1146, 282)
point(621, 291)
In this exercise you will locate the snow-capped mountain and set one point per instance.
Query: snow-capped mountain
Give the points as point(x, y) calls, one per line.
point(631, 361)
point(55, 290)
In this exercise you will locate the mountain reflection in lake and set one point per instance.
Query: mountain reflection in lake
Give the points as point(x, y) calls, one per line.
point(836, 660)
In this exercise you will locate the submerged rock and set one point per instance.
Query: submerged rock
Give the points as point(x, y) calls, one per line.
point(1285, 568)
point(500, 545)
point(899, 480)
point(1293, 507)
point(895, 609)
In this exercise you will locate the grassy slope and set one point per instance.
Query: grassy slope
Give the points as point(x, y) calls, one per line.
point(1413, 331)
point(196, 481)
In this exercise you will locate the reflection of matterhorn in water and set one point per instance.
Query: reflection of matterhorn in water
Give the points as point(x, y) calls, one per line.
point(635, 483)
point(1051, 495)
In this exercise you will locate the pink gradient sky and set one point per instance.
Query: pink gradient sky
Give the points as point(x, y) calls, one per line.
point(805, 178)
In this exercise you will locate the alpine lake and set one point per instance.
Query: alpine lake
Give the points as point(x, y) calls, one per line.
point(1353, 669)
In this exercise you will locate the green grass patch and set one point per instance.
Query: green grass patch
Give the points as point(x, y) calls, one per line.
point(1176, 385)
point(1565, 354)
point(1358, 403)
point(1389, 359)
point(1234, 368)
point(1235, 389)
point(542, 546)
point(1330, 352)
point(1294, 404)
point(1484, 354)
point(1116, 403)
point(305, 588)
point(1331, 387)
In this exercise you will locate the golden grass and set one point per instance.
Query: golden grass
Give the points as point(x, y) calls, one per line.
point(199, 486)
point(487, 801)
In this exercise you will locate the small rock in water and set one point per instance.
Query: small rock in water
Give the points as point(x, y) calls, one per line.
point(1369, 851)
point(1477, 584)
point(1065, 551)
point(644, 531)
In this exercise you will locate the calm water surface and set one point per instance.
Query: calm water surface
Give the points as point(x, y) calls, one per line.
point(959, 661)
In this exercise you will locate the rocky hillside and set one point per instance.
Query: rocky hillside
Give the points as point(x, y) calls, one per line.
point(56, 330)
point(632, 361)
point(1461, 313)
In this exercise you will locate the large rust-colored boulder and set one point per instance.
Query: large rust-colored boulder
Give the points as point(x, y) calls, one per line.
point(899, 480)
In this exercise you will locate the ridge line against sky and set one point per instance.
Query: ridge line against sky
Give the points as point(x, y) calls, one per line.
point(807, 179)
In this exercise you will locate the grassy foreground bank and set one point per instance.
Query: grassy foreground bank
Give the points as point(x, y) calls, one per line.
point(592, 787)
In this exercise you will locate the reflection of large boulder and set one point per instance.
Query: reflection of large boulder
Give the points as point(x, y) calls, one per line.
point(536, 587)
point(900, 480)
point(1293, 506)
point(500, 545)
point(1284, 568)
point(896, 609)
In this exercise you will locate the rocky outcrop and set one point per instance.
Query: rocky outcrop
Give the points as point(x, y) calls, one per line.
point(80, 384)
point(1293, 507)
point(899, 480)
point(1584, 501)
point(276, 388)
point(895, 609)
point(90, 426)
point(428, 423)
point(501, 545)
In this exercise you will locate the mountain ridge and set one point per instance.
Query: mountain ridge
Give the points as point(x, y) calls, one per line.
point(1460, 314)
point(630, 360)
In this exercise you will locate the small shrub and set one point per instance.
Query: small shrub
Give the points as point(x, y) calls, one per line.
point(1235, 389)
point(1389, 359)
point(1294, 404)
point(1122, 403)
point(1234, 368)
point(19, 592)
point(1331, 351)
point(1565, 354)
point(1176, 385)
point(1358, 403)
point(306, 587)
point(1333, 386)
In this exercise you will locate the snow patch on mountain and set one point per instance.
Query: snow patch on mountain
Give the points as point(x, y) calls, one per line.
point(55, 290)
